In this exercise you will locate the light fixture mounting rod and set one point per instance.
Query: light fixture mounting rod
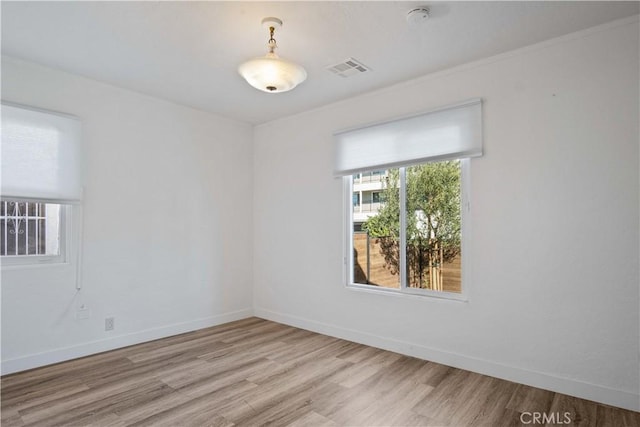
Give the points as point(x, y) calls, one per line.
point(271, 39)
point(271, 21)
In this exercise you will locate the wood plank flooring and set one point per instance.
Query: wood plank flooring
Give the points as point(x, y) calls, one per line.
point(256, 372)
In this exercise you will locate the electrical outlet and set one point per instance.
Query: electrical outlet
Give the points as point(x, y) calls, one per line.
point(109, 323)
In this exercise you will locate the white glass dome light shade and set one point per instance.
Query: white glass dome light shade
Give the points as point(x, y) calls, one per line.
point(272, 74)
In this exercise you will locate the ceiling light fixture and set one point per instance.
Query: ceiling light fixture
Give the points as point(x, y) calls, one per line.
point(271, 73)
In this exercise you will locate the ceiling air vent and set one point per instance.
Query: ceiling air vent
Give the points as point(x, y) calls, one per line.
point(348, 67)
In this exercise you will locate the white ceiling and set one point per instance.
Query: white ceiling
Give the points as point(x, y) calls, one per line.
point(188, 52)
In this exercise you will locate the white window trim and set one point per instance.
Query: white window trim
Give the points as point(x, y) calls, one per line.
point(465, 209)
point(62, 259)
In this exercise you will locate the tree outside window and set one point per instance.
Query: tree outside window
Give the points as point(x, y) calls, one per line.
point(433, 225)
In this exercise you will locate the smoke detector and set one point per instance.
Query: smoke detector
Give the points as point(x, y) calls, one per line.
point(418, 16)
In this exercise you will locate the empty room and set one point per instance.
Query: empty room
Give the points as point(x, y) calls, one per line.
point(346, 213)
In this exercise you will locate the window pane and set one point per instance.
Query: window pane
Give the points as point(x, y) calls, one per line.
point(376, 228)
point(29, 228)
point(433, 226)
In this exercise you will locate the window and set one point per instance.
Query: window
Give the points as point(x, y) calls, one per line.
point(31, 230)
point(40, 184)
point(413, 238)
point(419, 226)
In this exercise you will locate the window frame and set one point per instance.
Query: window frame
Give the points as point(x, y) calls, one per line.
point(404, 290)
point(65, 239)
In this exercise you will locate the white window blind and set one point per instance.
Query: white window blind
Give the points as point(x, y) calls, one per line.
point(40, 155)
point(449, 133)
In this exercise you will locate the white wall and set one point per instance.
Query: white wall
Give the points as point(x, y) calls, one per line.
point(553, 284)
point(167, 224)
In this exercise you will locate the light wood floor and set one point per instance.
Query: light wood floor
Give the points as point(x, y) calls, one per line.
point(255, 372)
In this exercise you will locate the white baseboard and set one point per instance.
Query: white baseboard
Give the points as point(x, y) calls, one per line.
point(85, 349)
point(597, 393)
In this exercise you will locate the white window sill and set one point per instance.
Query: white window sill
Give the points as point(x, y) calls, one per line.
point(409, 292)
point(18, 264)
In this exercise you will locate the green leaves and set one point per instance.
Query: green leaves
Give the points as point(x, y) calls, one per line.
point(433, 206)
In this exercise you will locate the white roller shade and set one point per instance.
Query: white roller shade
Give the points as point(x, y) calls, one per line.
point(450, 133)
point(40, 155)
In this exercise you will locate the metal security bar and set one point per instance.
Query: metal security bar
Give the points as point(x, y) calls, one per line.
point(23, 228)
